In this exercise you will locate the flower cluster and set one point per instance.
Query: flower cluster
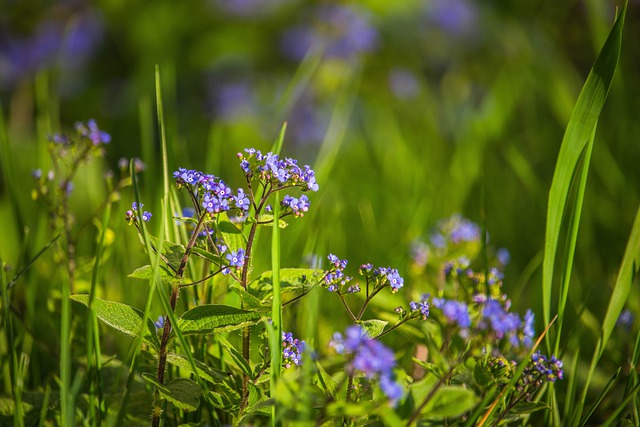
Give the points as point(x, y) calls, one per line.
point(132, 214)
point(549, 368)
point(370, 357)
point(421, 306)
point(292, 349)
point(91, 131)
point(504, 323)
point(382, 276)
point(236, 259)
point(335, 276)
point(297, 205)
point(281, 172)
point(213, 195)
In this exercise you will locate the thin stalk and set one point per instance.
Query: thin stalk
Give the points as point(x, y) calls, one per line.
point(276, 311)
point(66, 404)
point(94, 363)
point(14, 370)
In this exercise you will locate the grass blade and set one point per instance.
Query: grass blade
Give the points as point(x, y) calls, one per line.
point(577, 135)
point(276, 305)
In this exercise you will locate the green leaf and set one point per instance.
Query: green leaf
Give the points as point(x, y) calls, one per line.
point(242, 363)
point(326, 381)
point(292, 281)
point(522, 410)
point(204, 371)
point(231, 234)
point(373, 327)
point(121, 317)
point(172, 252)
point(182, 392)
point(249, 300)
point(146, 273)
point(208, 255)
point(450, 401)
point(578, 133)
point(205, 319)
point(266, 219)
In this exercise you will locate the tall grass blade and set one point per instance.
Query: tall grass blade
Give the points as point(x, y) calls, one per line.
point(601, 396)
point(276, 307)
point(577, 135)
point(572, 237)
point(621, 290)
point(94, 363)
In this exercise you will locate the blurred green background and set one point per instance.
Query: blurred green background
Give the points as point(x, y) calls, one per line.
point(409, 111)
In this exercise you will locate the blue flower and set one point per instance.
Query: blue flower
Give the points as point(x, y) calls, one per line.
point(292, 349)
point(370, 357)
point(92, 132)
point(456, 312)
point(236, 259)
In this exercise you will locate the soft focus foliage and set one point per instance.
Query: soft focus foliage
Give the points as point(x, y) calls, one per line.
point(432, 130)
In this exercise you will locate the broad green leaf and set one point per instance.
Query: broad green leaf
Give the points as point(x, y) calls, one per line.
point(231, 234)
point(241, 362)
point(172, 252)
point(146, 273)
point(326, 381)
point(249, 300)
point(204, 371)
point(181, 392)
point(292, 280)
point(267, 220)
point(579, 130)
point(205, 319)
point(522, 410)
point(373, 327)
point(449, 401)
point(121, 317)
point(207, 255)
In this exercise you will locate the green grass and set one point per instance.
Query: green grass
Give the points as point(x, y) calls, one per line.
point(483, 137)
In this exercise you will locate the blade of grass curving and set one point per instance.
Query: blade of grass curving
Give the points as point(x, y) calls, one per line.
point(621, 290)
point(94, 364)
point(155, 264)
point(616, 413)
point(581, 125)
point(572, 237)
point(633, 379)
point(14, 370)
point(298, 82)
point(572, 387)
point(31, 261)
point(601, 396)
point(276, 304)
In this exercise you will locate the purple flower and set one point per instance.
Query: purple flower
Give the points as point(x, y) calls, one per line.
point(341, 32)
point(549, 368)
point(528, 328)
point(454, 16)
point(160, 322)
point(625, 320)
point(146, 216)
point(241, 200)
point(456, 312)
point(92, 132)
point(422, 306)
point(370, 357)
point(292, 349)
point(298, 206)
point(403, 83)
point(236, 259)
